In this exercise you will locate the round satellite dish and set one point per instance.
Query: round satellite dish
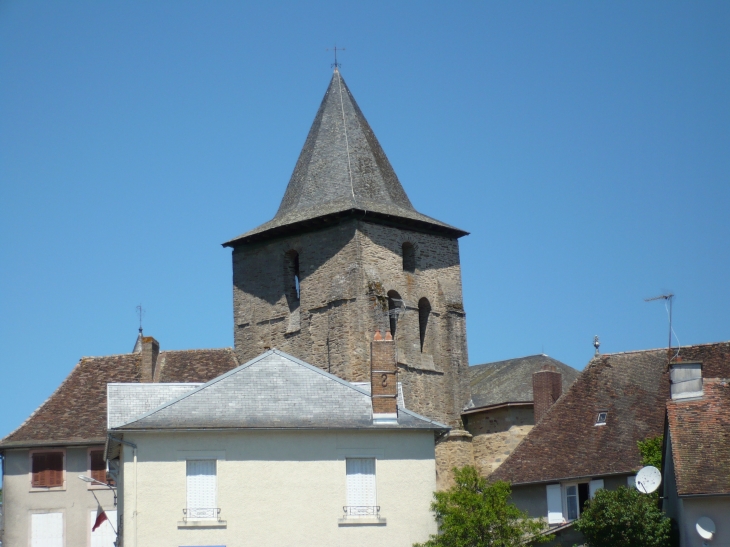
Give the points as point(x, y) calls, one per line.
point(705, 527)
point(648, 479)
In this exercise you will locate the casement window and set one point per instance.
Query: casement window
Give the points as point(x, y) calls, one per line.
point(46, 530)
point(47, 469)
point(201, 490)
point(361, 497)
point(566, 501)
point(104, 535)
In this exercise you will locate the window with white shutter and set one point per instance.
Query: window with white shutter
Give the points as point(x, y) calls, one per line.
point(361, 498)
point(201, 486)
point(46, 530)
point(554, 504)
point(104, 535)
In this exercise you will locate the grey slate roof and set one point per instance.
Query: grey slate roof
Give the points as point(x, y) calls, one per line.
point(342, 170)
point(129, 401)
point(274, 390)
point(510, 381)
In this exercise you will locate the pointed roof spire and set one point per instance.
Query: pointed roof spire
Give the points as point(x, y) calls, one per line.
point(342, 170)
point(138, 343)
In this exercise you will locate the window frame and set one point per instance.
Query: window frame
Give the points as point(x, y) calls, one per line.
point(216, 515)
point(375, 485)
point(32, 453)
point(598, 418)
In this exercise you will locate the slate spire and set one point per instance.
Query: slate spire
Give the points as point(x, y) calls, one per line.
point(342, 171)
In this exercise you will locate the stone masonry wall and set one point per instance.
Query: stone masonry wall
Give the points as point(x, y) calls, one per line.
point(346, 272)
point(496, 434)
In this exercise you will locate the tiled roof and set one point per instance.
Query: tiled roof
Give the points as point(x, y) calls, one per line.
point(76, 411)
point(700, 435)
point(342, 170)
point(633, 388)
point(274, 390)
point(511, 380)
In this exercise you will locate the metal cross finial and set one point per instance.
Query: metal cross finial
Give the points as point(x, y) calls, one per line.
point(336, 64)
point(596, 343)
point(140, 314)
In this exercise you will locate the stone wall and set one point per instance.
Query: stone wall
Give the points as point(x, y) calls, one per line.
point(496, 433)
point(453, 450)
point(346, 274)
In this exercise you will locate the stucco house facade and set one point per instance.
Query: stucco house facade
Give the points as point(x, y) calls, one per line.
point(276, 452)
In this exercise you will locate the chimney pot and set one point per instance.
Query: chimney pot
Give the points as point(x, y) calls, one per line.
point(387, 335)
point(377, 335)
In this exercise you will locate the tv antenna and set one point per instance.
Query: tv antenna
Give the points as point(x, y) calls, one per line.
point(140, 313)
point(335, 49)
point(670, 297)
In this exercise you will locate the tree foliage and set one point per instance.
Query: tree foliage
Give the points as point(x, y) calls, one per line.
point(624, 518)
point(651, 451)
point(473, 513)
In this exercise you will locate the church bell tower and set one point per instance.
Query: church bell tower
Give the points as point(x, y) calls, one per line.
point(347, 255)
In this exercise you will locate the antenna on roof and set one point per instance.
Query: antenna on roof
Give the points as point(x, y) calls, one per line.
point(140, 314)
point(668, 296)
point(336, 64)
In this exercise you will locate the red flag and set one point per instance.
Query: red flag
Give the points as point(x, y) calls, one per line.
point(100, 518)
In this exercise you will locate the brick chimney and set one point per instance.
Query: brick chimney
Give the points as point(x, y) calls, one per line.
point(547, 386)
point(150, 352)
point(383, 376)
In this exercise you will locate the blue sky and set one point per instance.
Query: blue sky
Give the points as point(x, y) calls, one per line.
point(585, 146)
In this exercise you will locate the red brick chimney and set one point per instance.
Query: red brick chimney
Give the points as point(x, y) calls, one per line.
point(547, 386)
point(383, 375)
point(150, 352)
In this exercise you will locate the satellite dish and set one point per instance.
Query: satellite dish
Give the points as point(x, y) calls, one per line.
point(648, 479)
point(705, 528)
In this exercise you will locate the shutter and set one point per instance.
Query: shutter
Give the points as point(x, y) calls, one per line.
point(554, 504)
point(593, 486)
point(104, 535)
point(98, 465)
point(201, 489)
point(39, 464)
point(46, 530)
point(55, 469)
point(361, 482)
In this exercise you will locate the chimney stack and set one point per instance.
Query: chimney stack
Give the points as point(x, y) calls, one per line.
point(383, 377)
point(150, 352)
point(547, 386)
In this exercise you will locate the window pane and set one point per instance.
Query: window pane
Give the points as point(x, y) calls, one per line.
point(571, 494)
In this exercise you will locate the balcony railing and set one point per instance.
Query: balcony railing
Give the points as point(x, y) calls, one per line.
point(355, 511)
point(201, 513)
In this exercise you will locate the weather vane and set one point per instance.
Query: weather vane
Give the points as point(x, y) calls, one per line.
point(335, 49)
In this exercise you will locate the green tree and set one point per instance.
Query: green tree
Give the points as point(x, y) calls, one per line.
point(473, 513)
point(624, 518)
point(651, 451)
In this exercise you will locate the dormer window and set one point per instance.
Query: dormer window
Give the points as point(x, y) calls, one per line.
point(601, 418)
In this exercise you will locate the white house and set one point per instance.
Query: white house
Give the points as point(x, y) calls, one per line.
point(276, 452)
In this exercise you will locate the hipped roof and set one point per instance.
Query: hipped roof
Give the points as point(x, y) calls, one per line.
point(343, 171)
point(272, 391)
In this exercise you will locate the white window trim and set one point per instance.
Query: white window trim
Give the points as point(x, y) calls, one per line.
point(46, 488)
point(91, 485)
point(593, 486)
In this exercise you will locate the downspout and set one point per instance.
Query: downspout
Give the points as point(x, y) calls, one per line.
point(134, 456)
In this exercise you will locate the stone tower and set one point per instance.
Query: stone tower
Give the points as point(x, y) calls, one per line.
point(346, 255)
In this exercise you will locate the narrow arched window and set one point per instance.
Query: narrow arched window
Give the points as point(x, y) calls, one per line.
point(409, 257)
point(424, 310)
point(291, 273)
point(395, 306)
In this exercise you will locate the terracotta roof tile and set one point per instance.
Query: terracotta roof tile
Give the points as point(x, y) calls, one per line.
point(633, 388)
point(76, 411)
point(700, 434)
